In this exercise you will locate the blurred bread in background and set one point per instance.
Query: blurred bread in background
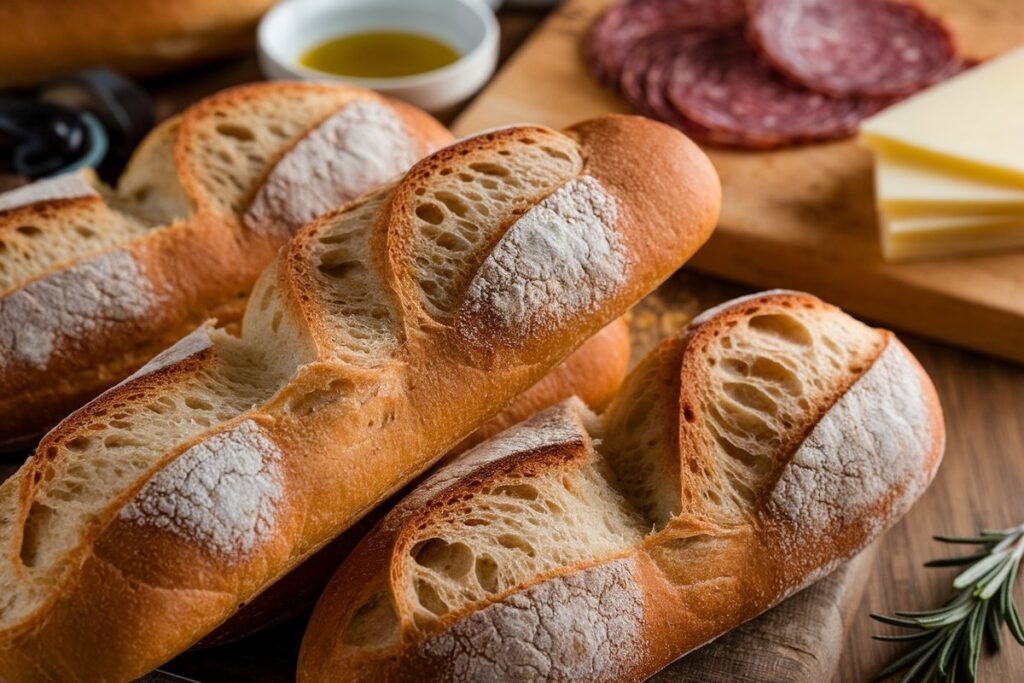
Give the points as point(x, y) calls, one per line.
point(44, 38)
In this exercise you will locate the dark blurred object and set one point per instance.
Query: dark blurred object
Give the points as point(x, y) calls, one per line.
point(120, 104)
point(38, 139)
point(10, 181)
point(47, 38)
point(93, 118)
point(159, 676)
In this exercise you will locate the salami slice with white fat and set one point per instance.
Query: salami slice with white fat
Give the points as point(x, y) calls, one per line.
point(852, 47)
point(627, 24)
point(733, 97)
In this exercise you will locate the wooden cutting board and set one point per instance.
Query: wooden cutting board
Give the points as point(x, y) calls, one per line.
point(802, 217)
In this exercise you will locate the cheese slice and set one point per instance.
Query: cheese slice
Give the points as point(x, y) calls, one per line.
point(973, 123)
point(907, 189)
point(932, 237)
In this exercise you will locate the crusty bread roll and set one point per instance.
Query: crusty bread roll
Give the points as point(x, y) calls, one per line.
point(743, 459)
point(94, 281)
point(44, 38)
point(594, 372)
point(381, 336)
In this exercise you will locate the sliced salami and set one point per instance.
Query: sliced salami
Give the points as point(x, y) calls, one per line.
point(852, 47)
point(733, 97)
point(656, 91)
point(633, 82)
point(626, 24)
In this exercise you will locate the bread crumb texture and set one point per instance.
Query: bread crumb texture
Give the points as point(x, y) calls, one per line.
point(362, 145)
point(863, 449)
point(587, 625)
point(562, 258)
point(87, 299)
point(67, 186)
point(221, 493)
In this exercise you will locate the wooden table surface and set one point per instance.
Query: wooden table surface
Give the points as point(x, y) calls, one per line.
point(980, 483)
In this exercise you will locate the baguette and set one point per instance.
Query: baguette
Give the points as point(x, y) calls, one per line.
point(47, 38)
point(95, 281)
point(382, 335)
point(745, 458)
point(594, 372)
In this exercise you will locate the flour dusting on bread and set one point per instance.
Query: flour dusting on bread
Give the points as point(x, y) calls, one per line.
point(586, 625)
point(192, 344)
point(552, 564)
point(67, 186)
point(556, 426)
point(234, 465)
point(864, 451)
point(221, 493)
point(561, 258)
point(359, 147)
point(88, 298)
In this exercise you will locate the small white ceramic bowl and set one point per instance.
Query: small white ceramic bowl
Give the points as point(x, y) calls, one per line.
point(469, 26)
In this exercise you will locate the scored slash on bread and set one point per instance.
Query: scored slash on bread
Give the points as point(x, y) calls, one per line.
point(594, 372)
point(743, 459)
point(95, 280)
point(363, 357)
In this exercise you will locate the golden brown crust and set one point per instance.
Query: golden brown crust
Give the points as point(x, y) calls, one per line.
point(867, 455)
point(371, 430)
point(169, 279)
point(141, 37)
point(593, 372)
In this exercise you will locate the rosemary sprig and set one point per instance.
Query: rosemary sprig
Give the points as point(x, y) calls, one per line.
point(947, 642)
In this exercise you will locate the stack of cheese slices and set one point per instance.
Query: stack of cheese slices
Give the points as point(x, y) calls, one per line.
point(950, 165)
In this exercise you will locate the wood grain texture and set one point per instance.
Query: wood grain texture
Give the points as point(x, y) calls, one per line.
point(801, 217)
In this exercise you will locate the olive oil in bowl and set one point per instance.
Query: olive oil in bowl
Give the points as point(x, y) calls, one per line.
point(379, 54)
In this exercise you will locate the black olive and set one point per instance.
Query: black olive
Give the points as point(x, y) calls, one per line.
point(39, 138)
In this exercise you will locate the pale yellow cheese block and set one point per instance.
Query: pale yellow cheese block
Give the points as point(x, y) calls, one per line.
point(970, 124)
point(906, 189)
point(936, 237)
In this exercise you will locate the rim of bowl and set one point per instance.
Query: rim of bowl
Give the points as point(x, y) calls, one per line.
point(483, 47)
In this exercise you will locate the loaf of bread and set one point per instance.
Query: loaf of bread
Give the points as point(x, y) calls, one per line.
point(380, 337)
point(44, 38)
point(94, 281)
point(593, 373)
point(743, 459)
